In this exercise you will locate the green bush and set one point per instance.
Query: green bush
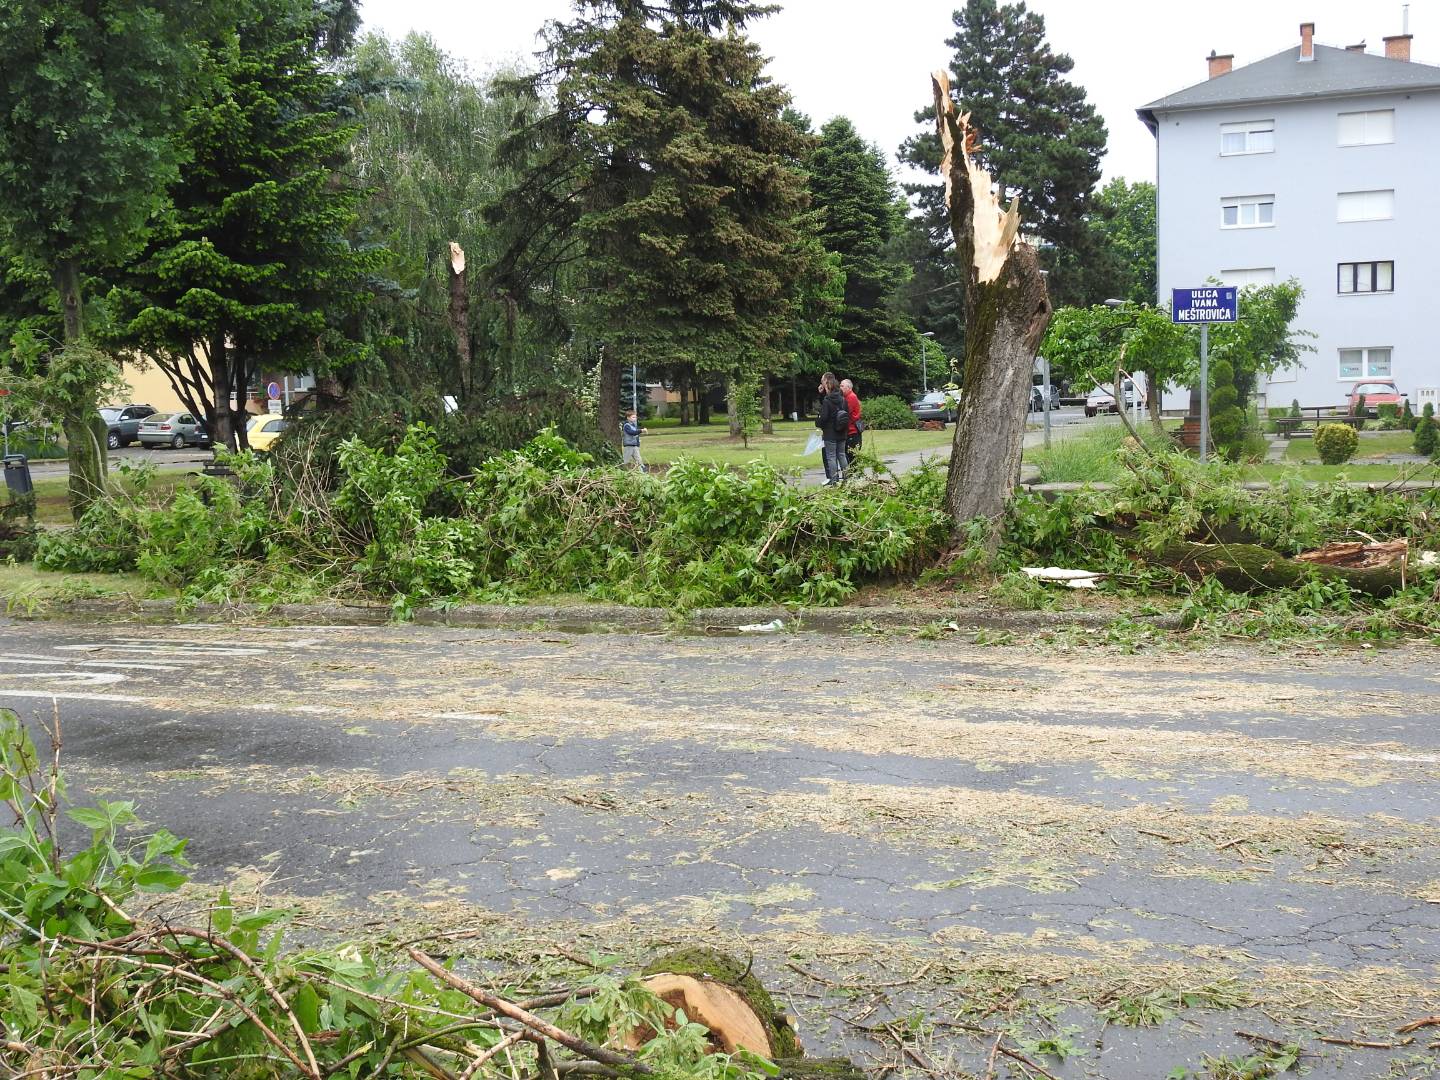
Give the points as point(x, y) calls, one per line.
point(1336, 443)
point(1408, 419)
point(1227, 419)
point(1426, 435)
point(888, 413)
point(1388, 411)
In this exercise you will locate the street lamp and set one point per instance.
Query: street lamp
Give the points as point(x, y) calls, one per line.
point(925, 363)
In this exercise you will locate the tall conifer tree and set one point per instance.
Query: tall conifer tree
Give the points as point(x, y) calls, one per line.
point(661, 194)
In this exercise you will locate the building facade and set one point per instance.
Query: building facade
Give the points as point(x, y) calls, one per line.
point(1320, 164)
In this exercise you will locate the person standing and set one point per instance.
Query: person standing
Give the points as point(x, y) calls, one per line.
point(834, 425)
point(630, 432)
point(856, 434)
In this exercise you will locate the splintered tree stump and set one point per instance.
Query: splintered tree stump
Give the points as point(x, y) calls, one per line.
point(1007, 309)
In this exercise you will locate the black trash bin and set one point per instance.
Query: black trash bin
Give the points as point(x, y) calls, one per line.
point(17, 474)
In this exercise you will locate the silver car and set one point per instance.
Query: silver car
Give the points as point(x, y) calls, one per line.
point(175, 430)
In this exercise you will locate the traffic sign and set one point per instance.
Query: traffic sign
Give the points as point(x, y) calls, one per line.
point(1212, 304)
point(273, 391)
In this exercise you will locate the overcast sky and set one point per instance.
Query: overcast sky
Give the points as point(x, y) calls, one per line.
point(871, 60)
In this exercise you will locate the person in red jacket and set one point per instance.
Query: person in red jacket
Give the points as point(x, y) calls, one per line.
point(857, 429)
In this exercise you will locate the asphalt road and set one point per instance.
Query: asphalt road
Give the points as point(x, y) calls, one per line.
point(1009, 837)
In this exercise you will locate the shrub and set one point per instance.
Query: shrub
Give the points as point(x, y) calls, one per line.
point(1426, 435)
point(1227, 419)
point(887, 413)
point(1408, 419)
point(1360, 409)
point(1295, 408)
point(1336, 443)
point(1429, 410)
point(1387, 411)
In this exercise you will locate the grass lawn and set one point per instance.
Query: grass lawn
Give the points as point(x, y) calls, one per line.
point(784, 449)
point(1356, 471)
point(52, 502)
point(24, 589)
point(1373, 444)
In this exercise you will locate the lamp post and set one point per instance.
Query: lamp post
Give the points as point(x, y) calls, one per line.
point(925, 363)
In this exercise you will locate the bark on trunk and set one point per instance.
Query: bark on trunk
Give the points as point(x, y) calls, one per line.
point(1007, 309)
point(683, 385)
point(1251, 569)
point(766, 424)
point(1152, 395)
point(732, 406)
point(84, 431)
point(221, 387)
point(609, 404)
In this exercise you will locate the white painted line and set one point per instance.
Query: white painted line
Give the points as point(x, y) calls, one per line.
point(163, 650)
point(84, 678)
point(120, 699)
point(18, 659)
point(129, 665)
point(462, 716)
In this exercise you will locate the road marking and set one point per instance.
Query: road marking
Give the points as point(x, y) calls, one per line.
point(64, 695)
point(82, 678)
point(163, 650)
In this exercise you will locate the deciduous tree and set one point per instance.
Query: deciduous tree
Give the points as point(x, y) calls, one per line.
point(90, 97)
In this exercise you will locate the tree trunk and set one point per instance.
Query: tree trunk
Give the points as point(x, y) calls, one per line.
point(732, 406)
point(682, 384)
point(1250, 569)
point(222, 433)
point(1007, 309)
point(609, 404)
point(766, 424)
point(460, 319)
point(702, 403)
point(84, 431)
point(1152, 396)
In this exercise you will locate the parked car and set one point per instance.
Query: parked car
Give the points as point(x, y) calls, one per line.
point(1037, 398)
point(1381, 392)
point(174, 430)
point(202, 436)
point(263, 430)
point(939, 405)
point(1102, 398)
point(122, 423)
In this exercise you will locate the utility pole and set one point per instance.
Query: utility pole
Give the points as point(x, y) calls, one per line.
point(925, 363)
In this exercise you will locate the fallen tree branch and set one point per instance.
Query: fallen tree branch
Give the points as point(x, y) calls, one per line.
point(535, 1023)
point(1416, 1025)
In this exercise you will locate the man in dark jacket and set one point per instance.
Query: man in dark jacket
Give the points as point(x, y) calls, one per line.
point(857, 429)
point(834, 425)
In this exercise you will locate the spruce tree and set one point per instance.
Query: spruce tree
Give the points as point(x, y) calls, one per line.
point(251, 265)
point(1040, 139)
point(860, 216)
point(657, 217)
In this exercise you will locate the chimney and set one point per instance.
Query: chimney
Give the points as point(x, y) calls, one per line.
point(1220, 65)
point(1358, 47)
point(1398, 47)
point(1307, 41)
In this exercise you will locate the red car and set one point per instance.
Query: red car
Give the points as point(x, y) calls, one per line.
point(1375, 393)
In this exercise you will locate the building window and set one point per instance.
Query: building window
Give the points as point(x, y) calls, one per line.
point(1247, 212)
point(1367, 128)
point(1365, 277)
point(1255, 275)
point(1365, 363)
point(1366, 205)
point(1251, 137)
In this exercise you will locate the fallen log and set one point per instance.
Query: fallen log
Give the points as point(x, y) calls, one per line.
point(1360, 556)
point(1248, 568)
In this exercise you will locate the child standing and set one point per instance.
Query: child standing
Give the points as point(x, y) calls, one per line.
point(630, 433)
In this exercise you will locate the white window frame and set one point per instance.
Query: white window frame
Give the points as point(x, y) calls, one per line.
point(1383, 135)
point(1246, 276)
point(1359, 272)
point(1366, 372)
point(1247, 128)
point(1364, 200)
point(1239, 203)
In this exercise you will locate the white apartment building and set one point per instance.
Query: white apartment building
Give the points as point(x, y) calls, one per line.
point(1321, 164)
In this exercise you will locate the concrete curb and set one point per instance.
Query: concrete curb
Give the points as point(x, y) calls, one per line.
point(605, 617)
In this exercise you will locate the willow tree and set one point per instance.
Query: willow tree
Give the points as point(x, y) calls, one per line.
point(1007, 309)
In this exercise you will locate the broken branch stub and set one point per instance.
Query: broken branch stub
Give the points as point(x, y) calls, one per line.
point(1006, 308)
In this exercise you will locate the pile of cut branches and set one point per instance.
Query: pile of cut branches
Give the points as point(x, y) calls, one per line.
point(97, 979)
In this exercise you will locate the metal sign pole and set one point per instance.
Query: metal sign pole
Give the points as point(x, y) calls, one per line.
point(1204, 390)
point(1045, 397)
point(924, 367)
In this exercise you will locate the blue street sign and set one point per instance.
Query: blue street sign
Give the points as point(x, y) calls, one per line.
point(1196, 307)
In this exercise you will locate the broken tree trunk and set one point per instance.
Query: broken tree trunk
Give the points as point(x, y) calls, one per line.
point(1252, 569)
point(460, 313)
point(1007, 309)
